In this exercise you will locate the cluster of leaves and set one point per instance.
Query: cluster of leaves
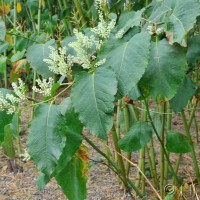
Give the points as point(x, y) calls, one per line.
point(140, 65)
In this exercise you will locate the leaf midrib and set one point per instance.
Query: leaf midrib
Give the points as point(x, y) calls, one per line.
point(93, 87)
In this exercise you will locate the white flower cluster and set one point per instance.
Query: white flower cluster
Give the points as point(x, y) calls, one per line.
point(20, 89)
point(44, 86)
point(103, 28)
point(98, 3)
point(84, 47)
point(120, 34)
point(10, 101)
point(152, 29)
point(59, 62)
point(100, 62)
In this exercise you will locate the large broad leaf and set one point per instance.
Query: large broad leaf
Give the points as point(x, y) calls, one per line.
point(47, 138)
point(2, 29)
point(193, 53)
point(73, 178)
point(129, 61)
point(183, 95)
point(73, 128)
point(137, 137)
point(4, 117)
point(166, 70)
point(93, 98)
point(178, 16)
point(36, 54)
point(177, 143)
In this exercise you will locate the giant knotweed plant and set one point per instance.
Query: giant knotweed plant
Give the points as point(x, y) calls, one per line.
point(150, 53)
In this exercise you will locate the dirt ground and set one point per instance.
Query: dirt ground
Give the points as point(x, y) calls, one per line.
point(102, 182)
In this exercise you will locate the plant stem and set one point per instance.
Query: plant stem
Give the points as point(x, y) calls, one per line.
point(177, 166)
point(159, 139)
point(169, 124)
point(60, 4)
point(80, 11)
point(119, 157)
point(39, 15)
point(152, 167)
point(88, 4)
point(119, 103)
point(5, 75)
point(120, 174)
point(29, 13)
point(192, 115)
point(196, 129)
point(196, 167)
point(5, 71)
point(143, 169)
point(118, 129)
point(15, 23)
point(22, 36)
point(138, 176)
point(35, 73)
point(127, 126)
point(162, 158)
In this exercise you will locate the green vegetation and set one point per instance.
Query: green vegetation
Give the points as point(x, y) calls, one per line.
point(127, 55)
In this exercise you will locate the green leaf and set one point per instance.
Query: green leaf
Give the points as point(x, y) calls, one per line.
point(193, 53)
point(134, 93)
point(183, 95)
point(93, 98)
point(128, 20)
point(129, 61)
point(17, 56)
point(137, 137)
point(42, 180)
point(73, 129)
point(73, 178)
point(3, 46)
point(178, 16)
point(4, 117)
point(8, 146)
point(177, 143)
point(3, 63)
point(14, 125)
point(2, 29)
point(166, 70)
point(47, 138)
point(36, 54)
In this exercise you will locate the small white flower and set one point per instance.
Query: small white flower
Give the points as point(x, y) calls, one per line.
point(7, 103)
point(120, 34)
point(159, 30)
point(44, 86)
point(100, 62)
point(103, 28)
point(59, 62)
point(19, 89)
point(12, 98)
point(84, 47)
point(152, 29)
